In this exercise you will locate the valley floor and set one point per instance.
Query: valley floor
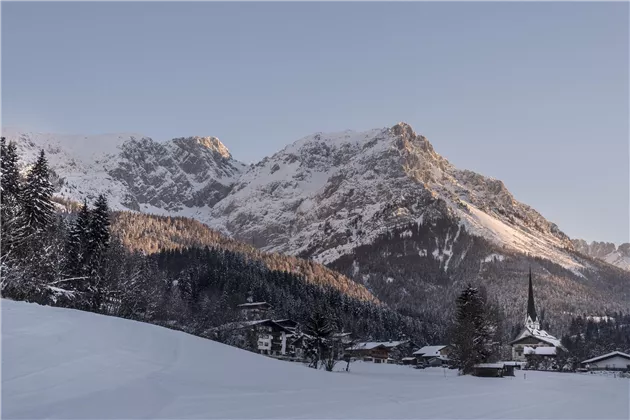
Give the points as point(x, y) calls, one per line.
point(60, 363)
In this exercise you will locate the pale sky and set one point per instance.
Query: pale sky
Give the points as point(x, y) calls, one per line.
point(535, 94)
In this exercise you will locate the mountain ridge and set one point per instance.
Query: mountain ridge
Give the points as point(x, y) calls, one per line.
point(381, 207)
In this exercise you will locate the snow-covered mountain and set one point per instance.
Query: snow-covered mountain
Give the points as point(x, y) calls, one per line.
point(135, 172)
point(321, 196)
point(328, 193)
point(618, 256)
point(381, 207)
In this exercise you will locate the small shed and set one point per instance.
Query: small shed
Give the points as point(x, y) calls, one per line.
point(409, 361)
point(489, 370)
point(509, 367)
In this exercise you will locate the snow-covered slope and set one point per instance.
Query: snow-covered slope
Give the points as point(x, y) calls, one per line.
point(66, 364)
point(618, 256)
point(327, 193)
point(184, 175)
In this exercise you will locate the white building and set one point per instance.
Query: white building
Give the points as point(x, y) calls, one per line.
point(615, 360)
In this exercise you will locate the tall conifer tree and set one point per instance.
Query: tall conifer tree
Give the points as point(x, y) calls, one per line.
point(37, 195)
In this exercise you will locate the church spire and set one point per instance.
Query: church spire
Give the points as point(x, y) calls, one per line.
point(532, 318)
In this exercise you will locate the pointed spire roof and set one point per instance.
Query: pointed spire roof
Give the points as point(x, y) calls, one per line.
point(531, 308)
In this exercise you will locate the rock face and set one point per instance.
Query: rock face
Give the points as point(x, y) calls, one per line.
point(184, 175)
point(328, 193)
point(606, 251)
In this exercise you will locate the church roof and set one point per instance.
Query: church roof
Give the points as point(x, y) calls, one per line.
point(540, 335)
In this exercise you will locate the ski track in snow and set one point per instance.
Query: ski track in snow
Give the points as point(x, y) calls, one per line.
point(66, 364)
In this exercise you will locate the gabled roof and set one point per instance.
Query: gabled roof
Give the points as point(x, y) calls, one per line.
point(608, 356)
point(369, 345)
point(490, 365)
point(366, 346)
point(540, 335)
point(429, 350)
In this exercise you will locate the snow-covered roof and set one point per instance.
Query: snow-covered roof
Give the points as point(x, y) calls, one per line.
point(541, 351)
point(490, 365)
point(429, 351)
point(607, 356)
point(366, 346)
point(408, 358)
point(541, 335)
point(240, 324)
point(244, 324)
point(253, 304)
point(374, 344)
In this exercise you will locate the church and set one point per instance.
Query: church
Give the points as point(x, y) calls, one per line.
point(532, 339)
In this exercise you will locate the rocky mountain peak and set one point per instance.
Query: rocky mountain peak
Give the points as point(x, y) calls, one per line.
point(618, 256)
point(210, 142)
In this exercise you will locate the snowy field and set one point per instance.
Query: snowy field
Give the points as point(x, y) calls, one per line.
point(65, 364)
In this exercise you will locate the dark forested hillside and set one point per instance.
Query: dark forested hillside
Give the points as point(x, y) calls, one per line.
point(593, 336)
point(420, 268)
point(200, 287)
point(151, 234)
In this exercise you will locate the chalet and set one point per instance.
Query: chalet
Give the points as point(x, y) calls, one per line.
point(369, 351)
point(254, 310)
point(287, 323)
point(615, 360)
point(532, 339)
point(433, 355)
point(266, 336)
point(377, 351)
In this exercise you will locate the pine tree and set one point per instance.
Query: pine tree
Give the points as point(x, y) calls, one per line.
point(13, 229)
point(99, 235)
point(9, 173)
point(472, 336)
point(3, 169)
point(97, 244)
point(37, 194)
point(319, 328)
point(78, 242)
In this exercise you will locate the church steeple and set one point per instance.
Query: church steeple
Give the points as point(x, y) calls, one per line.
point(532, 318)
